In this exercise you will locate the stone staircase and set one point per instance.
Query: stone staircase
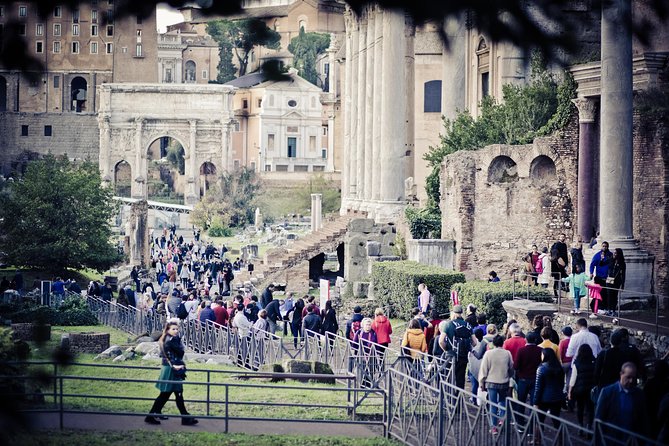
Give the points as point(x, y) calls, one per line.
point(278, 262)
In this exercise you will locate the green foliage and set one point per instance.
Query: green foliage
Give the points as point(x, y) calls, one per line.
point(432, 187)
point(306, 47)
point(176, 155)
point(232, 203)
point(58, 216)
point(423, 223)
point(218, 230)
point(320, 185)
point(488, 297)
point(539, 108)
point(11, 350)
point(395, 284)
point(239, 37)
point(653, 104)
point(400, 248)
point(71, 315)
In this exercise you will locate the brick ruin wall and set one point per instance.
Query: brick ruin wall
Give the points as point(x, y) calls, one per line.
point(495, 222)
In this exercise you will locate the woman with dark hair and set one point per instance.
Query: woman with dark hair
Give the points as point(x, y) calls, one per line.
point(581, 383)
point(172, 351)
point(614, 281)
point(296, 322)
point(548, 396)
point(329, 317)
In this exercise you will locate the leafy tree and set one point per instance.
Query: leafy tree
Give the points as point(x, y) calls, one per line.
point(320, 185)
point(58, 216)
point(305, 48)
point(226, 69)
point(239, 37)
point(232, 203)
point(176, 156)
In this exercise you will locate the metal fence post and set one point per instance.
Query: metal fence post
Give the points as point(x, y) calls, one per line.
point(440, 434)
point(208, 390)
point(61, 404)
point(226, 408)
point(507, 421)
point(389, 401)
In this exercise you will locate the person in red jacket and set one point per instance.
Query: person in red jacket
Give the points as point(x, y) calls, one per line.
point(382, 327)
point(515, 342)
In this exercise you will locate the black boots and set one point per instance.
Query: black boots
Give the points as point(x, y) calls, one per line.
point(189, 421)
point(151, 420)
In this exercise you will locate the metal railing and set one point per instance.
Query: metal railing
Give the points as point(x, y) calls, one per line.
point(217, 401)
point(129, 319)
point(654, 318)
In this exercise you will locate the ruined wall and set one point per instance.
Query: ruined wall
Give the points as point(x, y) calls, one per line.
point(651, 189)
point(498, 201)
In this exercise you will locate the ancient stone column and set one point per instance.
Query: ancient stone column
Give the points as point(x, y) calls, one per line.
point(106, 170)
point(369, 108)
point(586, 159)
point(329, 167)
point(138, 233)
point(345, 168)
point(393, 114)
point(376, 118)
point(361, 129)
point(191, 171)
point(615, 173)
point(139, 170)
point(453, 72)
point(226, 143)
point(353, 152)
point(316, 212)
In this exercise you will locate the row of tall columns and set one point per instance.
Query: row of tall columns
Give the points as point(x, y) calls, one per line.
point(587, 147)
point(375, 108)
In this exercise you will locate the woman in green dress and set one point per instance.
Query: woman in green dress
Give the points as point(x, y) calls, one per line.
point(172, 351)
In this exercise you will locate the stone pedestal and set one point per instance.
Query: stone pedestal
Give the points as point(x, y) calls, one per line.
point(258, 220)
point(138, 234)
point(432, 252)
point(524, 311)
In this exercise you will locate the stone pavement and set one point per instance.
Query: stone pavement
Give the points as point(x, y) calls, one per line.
point(134, 422)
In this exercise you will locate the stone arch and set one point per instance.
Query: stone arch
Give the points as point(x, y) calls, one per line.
point(122, 179)
point(78, 91)
point(208, 175)
point(190, 72)
point(165, 168)
point(502, 169)
point(542, 170)
point(3, 94)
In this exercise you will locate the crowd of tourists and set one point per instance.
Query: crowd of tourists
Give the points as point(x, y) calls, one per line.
point(564, 268)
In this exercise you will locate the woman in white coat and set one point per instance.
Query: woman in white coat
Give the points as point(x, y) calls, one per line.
point(545, 276)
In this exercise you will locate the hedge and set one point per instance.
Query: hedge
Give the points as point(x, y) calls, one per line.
point(72, 312)
point(488, 297)
point(395, 284)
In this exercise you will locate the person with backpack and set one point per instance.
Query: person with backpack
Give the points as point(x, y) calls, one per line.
point(495, 373)
point(413, 341)
point(457, 341)
point(353, 324)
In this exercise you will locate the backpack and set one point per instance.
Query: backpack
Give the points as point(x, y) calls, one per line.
point(538, 266)
point(182, 312)
point(355, 327)
point(462, 341)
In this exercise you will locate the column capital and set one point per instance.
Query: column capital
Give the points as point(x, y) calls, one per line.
point(587, 108)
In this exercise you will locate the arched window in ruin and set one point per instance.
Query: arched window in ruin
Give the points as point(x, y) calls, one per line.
point(78, 89)
point(122, 179)
point(3, 93)
point(166, 167)
point(191, 72)
point(542, 169)
point(502, 170)
point(207, 177)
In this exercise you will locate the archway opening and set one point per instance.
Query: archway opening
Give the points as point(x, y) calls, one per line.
point(207, 177)
point(3, 94)
point(78, 89)
point(190, 76)
point(542, 170)
point(122, 179)
point(502, 170)
point(166, 168)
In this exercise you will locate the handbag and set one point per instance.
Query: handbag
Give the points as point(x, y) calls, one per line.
point(610, 280)
point(178, 374)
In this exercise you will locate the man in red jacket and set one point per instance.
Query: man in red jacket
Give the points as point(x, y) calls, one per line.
point(515, 342)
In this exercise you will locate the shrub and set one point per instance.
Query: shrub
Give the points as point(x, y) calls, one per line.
point(219, 231)
point(423, 223)
point(488, 297)
point(395, 285)
point(69, 314)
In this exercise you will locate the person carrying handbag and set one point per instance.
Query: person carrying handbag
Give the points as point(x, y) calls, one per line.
point(172, 351)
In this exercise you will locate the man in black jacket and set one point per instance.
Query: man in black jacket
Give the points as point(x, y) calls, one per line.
point(311, 322)
point(267, 296)
point(273, 315)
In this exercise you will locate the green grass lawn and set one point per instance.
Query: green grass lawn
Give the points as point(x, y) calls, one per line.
point(158, 438)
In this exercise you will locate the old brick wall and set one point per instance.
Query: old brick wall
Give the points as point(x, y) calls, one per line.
point(495, 213)
point(651, 189)
point(72, 134)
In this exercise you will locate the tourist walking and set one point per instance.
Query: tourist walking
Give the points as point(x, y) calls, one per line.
point(495, 372)
point(457, 341)
point(172, 352)
point(329, 317)
point(544, 270)
point(413, 341)
point(581, 382)
point(526, 364)
point(382, 328)
point(548, 396)
point(577, 280)
point(615, 280)
point(295, 318)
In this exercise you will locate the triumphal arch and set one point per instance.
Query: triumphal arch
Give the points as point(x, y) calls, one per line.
point(132, 117)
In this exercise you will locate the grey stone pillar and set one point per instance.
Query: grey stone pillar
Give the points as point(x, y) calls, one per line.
point(353, 153)
point(586, 168)
point(453, 72)
point(347, 103)
point(615, 178)
point(376, 118)
point(137, 190)
point(316, 212)
point(106, 169)
point(393, 117)
point(361, 129)
point(330, 167)
point(369, 108)
point(191, 169)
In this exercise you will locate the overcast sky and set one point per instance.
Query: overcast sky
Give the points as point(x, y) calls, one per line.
point(165, 15)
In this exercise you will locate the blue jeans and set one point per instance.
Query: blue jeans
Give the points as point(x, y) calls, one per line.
point(497, 396)
point(474, 381)
point(577, 298)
